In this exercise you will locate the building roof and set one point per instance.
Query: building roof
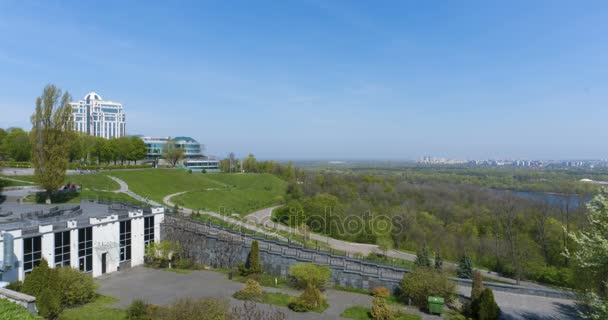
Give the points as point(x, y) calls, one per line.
point(92, 96)
point(15, 216)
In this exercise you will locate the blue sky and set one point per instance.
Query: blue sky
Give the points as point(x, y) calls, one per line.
point(326, 79)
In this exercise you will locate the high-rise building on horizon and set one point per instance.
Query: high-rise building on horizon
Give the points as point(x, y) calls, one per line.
point(99, 118)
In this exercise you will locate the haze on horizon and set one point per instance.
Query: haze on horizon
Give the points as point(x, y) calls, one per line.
point(326, 79)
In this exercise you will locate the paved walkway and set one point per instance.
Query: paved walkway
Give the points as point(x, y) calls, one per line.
point(163, 287)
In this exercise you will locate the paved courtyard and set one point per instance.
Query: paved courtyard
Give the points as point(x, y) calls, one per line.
point(163, 287)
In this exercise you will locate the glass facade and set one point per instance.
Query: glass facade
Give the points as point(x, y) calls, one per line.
point(148, 230)
point(125, 240)
point(32, 253)
point(62, 249)
point(85, 249)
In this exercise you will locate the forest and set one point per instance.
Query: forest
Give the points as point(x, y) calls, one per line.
point(444, 212)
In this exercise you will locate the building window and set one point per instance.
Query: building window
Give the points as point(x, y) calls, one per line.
point(148, 230)
point(62, 249)
point(85, 249)
point(125, 240)
point(32, 253)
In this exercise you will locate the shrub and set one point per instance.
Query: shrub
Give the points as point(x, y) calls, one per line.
point(250, 311)
point(310, 299)
point(192, 309)
point(423, 282)
point(75, 287)
point(485, 307)
point(438, 262)
point(465, 268)
point(303, 275)
point(381, 292)
point(137, 310)
point(160, 254)
point(251, 291)
point(381, 310)
point(38, 280)
point(477, 286)
point(15, 285)
point(48, 303)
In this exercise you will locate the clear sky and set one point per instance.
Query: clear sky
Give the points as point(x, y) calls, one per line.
point(326, 78)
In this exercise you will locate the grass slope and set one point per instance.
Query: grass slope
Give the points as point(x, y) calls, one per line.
point(158, 183)
point(248, 193)
point(96, 181)
point(222, 192)
point(12, 311)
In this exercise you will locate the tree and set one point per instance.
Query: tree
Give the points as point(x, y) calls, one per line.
point(2, 135)
point(102, 150)
point(250, 163)
point(123, 149)
point(485, 307)
point(40, 278)
point(438, 262)
point(592, 255)
point(465, 268)
point(16, 145)
point(423, 257)
point(253, 264)
point(138, 149)
point(50, 138)
point(172, 153)
point(477, 286)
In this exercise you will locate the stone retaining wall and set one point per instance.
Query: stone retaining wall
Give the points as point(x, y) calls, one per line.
point(222, 248)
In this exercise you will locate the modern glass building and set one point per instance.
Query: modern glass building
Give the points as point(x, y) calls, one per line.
point(99, 118)
point(193, 152)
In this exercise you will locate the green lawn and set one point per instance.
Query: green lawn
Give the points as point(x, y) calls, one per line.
point(13, 311)
point(158, 183)
point(221, 192)
point(363, 313)
point(239, 201)
point(85, 194)
point(94, 181)
point(99, 309)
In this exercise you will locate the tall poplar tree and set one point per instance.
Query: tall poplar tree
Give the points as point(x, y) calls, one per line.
point(50, 138)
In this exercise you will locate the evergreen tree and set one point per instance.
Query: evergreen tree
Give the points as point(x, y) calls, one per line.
point(50, 138)
point(423, 258)
point(485, 307)
point(465, 268)
point(253, 260)
point(438, 262)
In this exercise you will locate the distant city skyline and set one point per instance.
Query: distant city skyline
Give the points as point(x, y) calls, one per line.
point(326, 79)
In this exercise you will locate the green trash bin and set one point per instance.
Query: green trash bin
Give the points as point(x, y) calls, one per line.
point(435, 305)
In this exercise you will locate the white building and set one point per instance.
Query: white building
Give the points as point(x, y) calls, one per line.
point(92, 237)
point(99, 118)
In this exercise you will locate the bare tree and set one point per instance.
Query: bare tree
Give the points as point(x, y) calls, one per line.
point(231, 157)
point(250, 311)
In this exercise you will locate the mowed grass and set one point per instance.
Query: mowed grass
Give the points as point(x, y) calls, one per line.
point(93, 181)
point(249, 193)
point(158, 183)
point(99, 309)
point(221, 192)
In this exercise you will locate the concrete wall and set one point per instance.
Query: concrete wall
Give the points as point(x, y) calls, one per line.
point(27, 301)
point(218, 247)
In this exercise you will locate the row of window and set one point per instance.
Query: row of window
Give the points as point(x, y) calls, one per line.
point(32, 250)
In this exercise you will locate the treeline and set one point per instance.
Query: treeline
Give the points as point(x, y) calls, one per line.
point(250, 164)
point(511, 235)
point(15, 146)
point(521, 179)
